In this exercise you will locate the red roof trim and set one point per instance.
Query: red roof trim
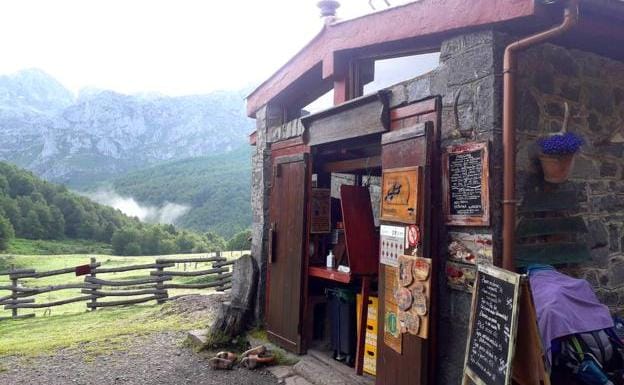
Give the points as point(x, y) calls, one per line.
point(421, 18)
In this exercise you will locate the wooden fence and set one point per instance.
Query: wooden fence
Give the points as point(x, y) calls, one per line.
point(152, 287)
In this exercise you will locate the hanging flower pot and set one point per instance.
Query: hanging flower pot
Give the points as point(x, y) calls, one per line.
point(557, 155)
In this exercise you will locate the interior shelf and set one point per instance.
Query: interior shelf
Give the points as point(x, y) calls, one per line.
point(329, 274)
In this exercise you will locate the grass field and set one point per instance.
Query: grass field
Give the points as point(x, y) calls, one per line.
point(68, 246)
point(96, 332)
point(53, 262)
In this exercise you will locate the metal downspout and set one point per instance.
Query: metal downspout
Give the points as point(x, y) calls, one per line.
point(570, 19)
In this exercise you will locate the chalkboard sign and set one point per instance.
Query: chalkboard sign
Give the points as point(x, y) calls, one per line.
point(466, 175)
point(493, 326)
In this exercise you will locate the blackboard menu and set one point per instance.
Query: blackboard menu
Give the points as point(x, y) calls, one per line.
point(465, 178)
point(493, 326)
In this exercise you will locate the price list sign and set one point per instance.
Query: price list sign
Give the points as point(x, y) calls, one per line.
point(466, 187)
point(493, 325)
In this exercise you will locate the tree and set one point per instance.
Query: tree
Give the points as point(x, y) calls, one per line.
point(4, 185)
point(215, 241)
point(21, 185)
point(185, 242)
point(6, 232)
point(121, 238)
point(240, 241)
point(32, 228)
point(132, 248)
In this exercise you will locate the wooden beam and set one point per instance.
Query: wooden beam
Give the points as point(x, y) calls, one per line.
point(133, 267)
point(353, 164)
point(190, 260)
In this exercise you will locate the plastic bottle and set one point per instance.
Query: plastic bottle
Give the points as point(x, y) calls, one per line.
point(331, 260)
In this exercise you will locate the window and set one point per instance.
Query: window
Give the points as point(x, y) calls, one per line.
point(323, 102)
point(388, 72)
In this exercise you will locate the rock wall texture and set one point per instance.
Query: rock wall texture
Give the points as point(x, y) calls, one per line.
point(593, 87)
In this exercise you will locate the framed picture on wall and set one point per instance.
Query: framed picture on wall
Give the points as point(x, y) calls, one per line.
point(400, 194)
point(321, 211)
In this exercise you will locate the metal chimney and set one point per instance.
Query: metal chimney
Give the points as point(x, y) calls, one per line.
point(328, 9)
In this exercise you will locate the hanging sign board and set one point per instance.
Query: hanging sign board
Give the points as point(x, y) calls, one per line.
point(321, 211)
point(493, 326)
point(392, 244)
point(465, 178)
point(400, 193)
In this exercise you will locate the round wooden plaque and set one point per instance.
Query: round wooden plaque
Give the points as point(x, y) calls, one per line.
point(421, 269)
point(404, 299)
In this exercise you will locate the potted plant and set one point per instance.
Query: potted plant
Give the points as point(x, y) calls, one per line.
point(557, 156)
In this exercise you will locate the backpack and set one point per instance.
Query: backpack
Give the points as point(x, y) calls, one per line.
point(594, 358)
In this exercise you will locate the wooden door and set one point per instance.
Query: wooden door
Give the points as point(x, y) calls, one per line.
point(412, 142)
point(286, 250)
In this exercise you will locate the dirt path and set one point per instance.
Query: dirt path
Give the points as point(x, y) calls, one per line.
point(152, 360)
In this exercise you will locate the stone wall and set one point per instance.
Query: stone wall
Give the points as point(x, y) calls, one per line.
point(266, 119)
point(470, 86)
point(593, 87)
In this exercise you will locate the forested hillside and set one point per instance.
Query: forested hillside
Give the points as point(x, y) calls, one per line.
point(34, 209)
point(217, 188)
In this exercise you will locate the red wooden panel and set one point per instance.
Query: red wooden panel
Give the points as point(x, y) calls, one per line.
point(416, 363)
point(361, 238)
point(415, 109)
point(398, 154)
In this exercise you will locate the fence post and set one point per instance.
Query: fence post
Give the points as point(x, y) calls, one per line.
point(93, 266)
point(14, 296)
point(219, 274)
point(160, 285)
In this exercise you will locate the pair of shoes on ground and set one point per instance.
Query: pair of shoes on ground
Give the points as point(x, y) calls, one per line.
point(249, 359)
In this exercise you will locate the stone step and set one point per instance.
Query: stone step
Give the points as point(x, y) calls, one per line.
point(197, 338)
point(325, 371)
point(344, 370)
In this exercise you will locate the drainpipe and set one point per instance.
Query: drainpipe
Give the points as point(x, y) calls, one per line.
point(570, 19)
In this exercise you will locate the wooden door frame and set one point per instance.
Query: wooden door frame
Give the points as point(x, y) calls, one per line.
point(428, 110)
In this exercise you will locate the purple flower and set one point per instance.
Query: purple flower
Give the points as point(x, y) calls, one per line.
point(561, 144)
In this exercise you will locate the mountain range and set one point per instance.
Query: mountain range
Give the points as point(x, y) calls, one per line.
point(186, 150)
point(85, 139)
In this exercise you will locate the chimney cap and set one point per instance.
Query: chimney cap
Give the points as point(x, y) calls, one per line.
point(328, 7)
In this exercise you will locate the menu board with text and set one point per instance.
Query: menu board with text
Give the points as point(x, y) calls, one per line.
point(493, 326)
point(465, 180)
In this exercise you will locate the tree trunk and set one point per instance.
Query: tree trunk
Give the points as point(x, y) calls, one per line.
point(234, 316)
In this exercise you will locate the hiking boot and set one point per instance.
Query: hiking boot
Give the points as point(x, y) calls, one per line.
point(253, 360)
point(227, 356)
point(217, 363)
point(258, 350)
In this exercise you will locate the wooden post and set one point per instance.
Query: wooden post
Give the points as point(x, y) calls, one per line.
point(219, 274)
point(93, 266)
point(13, 291)
point(361, 338)
point(160, 285)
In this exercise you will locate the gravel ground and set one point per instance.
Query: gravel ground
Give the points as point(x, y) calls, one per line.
point(151, 360)
point(156, 359)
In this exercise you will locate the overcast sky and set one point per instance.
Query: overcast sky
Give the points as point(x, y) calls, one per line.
point(172, 47)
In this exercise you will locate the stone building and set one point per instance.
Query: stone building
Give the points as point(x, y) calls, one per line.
point(576, 76)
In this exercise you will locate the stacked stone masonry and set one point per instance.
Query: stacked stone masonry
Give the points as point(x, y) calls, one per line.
point(593, 88)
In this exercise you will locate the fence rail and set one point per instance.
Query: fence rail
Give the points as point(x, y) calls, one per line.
point(93, 290)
